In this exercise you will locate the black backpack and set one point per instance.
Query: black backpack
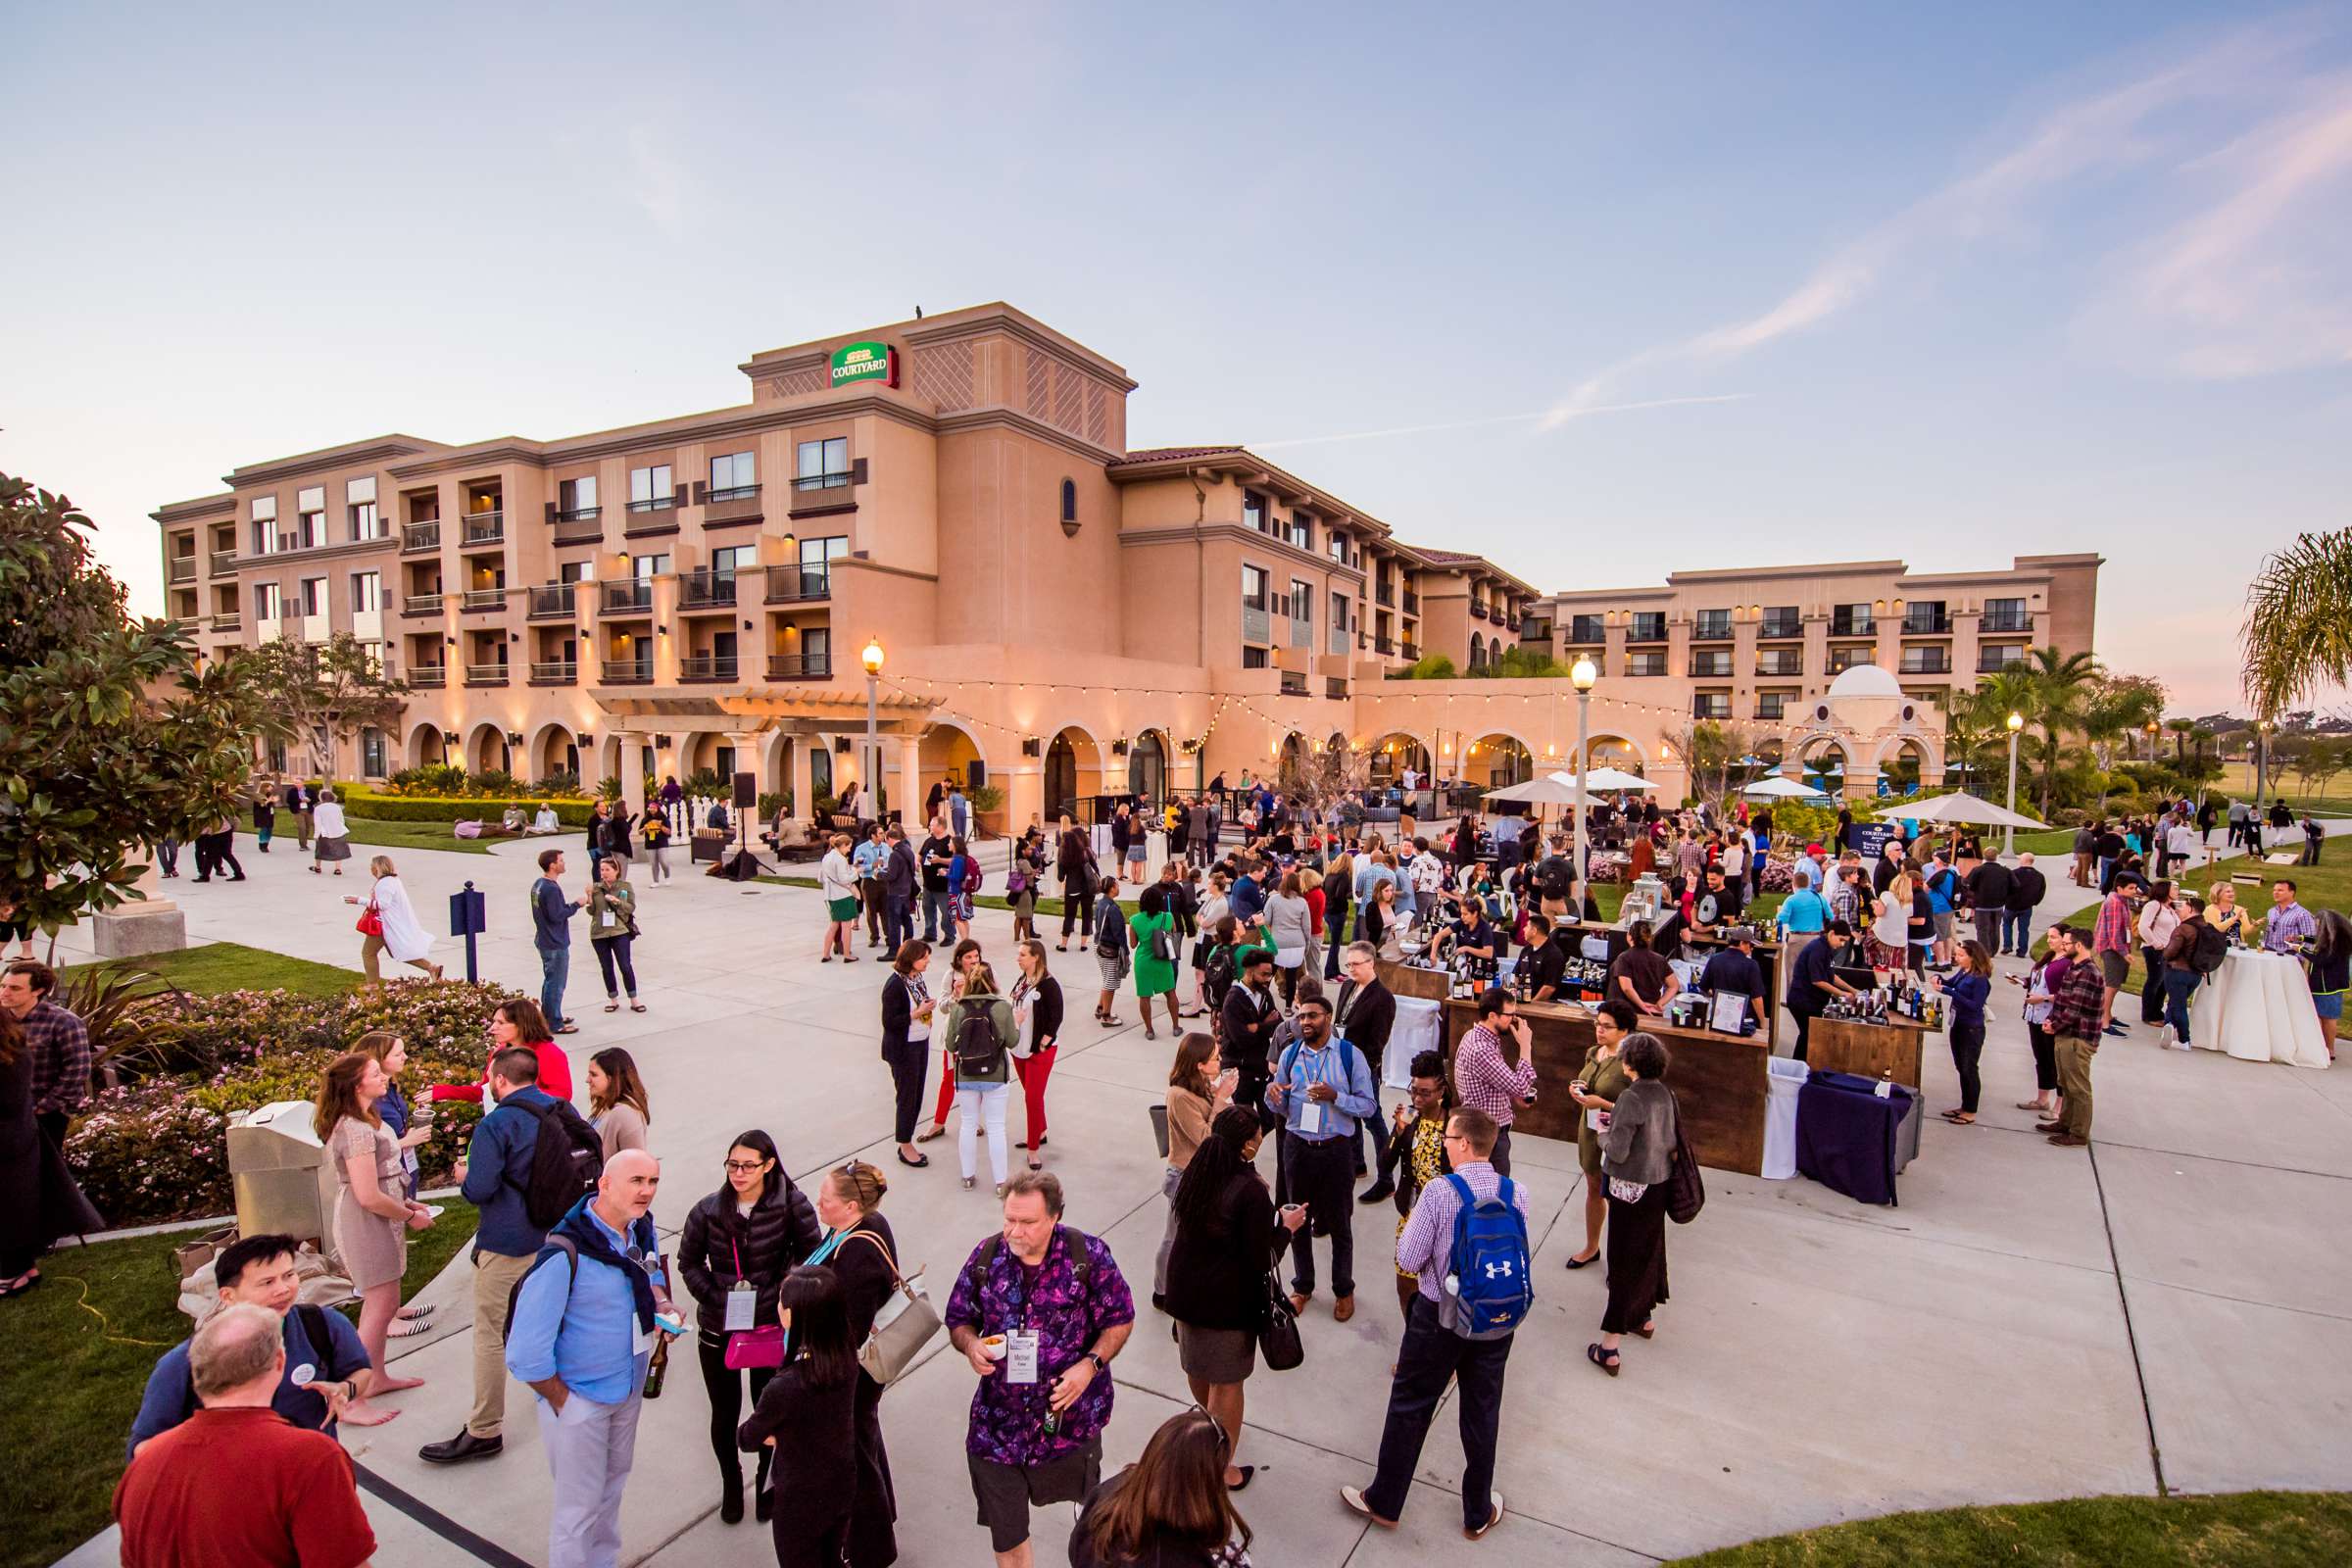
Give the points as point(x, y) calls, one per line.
point(567, 1159)
point(2206, 952)
point(1218, 971)
point(976, 1044)
point(1554, 877)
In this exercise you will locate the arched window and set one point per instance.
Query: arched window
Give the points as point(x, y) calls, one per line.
point(1069, 501)
point(1478, 651)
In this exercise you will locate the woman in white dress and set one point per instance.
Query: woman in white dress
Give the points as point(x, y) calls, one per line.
point(334, 834)
point(398, 932)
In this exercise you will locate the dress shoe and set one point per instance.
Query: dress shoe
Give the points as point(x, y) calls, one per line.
point(2049, 1126)
point(465, 1445)
point(1378, 1192)
point(1354, 1497)
point(730, 1504)
point(764, 1504)
point(1343, 1309)
point(2068, 1141)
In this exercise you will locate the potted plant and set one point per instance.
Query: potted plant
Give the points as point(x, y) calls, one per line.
point(988, 809)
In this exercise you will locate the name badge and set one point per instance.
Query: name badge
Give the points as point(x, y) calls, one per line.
point(1313, 1116)
point(642, 1344)
point(742, 1302)
point(609, 921)
point(1020, 1355)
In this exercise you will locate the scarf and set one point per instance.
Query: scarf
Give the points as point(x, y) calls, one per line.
point(588, 1239)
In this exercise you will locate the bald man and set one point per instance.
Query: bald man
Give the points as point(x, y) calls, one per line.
point(585, 1318)
point(236, 1482)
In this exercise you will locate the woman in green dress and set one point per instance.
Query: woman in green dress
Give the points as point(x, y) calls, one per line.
point(1154, 974)
point(1597, 1085)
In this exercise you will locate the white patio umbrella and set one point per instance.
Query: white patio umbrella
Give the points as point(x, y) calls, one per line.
point(1605, 778)
point(1536, 792)
point(1780, 787)
point(1958, 807)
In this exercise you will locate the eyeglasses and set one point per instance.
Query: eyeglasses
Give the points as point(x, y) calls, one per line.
point(747, 1167)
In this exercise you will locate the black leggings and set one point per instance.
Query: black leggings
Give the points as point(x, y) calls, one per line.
point(910, 1065)
point(1078, 906)
point(725, 1386)
point(2045, 1058)
point(608, 951)
point(1967, 1045)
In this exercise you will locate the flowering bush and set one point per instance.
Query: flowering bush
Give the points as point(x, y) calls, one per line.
point(158, 1148)
point(1780, 876)
point(1608, 865)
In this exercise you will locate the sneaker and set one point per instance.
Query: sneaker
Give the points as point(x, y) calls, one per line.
point(2165, 1035)
point(1354, 1497)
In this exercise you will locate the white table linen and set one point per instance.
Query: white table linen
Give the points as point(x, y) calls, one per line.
point(2257, 1008)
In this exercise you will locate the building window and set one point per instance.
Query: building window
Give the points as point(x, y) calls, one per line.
point(359, 509)
point(1585, 629)
point(1253, 588)
point(825, 464)
point(1771, 704)
point(1780, 661)
point(1781, 620)
point(1713, 623)
point(1925, 617)
point(1853, 620)
point(310, 516)
point(367, 592)
point(732, 560)
point(1645, 663)
point(817, 647)
point(1994, 657)
point(265, 525)
point(650, 488)
point(1338, 546)
point(1301, 529)
point(1253, 510)
point(1714, 661)
point(314, 596)
point(1711, 705)
point(1069, 501)
point(1478, 651)
point(1303, 601)
point(1842, 659)
point(1253, 658)
point(2006, 615)
point(371, 753)
point(1339, 611)
point(576, 498)
point(817, 562)
point(264, 601)
point(1648, 627)
point(734, 476)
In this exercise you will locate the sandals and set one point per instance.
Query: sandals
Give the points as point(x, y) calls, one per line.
point(635, 1006)
point(929, 1133)
point(614, 1006)
point(1959, 1118)
point(408, 1328)
point(1648, 1331)
point(1606, 1360)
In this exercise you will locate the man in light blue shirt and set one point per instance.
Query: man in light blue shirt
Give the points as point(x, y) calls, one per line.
point(1320, 1088)
point(582, 1333)
point(866, 860)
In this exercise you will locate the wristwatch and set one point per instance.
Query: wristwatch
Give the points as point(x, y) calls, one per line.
point(1100, 1365)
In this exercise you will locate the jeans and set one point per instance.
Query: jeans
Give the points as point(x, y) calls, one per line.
point(2178, 985)
point(1967, 1045)
point(1321, 1174)
point(2017, 931)
point(167, 857)
point(615, 950)
point(555, 967)
point(898, 922)
point(660, 858)
point(939, 913)
point(2311, 850)
point(975, 1104)
point(1431, 1355)
point(908, 1063)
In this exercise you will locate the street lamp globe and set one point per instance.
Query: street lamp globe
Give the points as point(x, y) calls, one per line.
point(1582, 674)
point(2016, 722)
point(873, 656)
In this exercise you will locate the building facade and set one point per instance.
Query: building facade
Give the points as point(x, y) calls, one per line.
point(1057, 614)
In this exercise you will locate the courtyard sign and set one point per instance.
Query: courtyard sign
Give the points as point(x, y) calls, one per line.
point(865, 361)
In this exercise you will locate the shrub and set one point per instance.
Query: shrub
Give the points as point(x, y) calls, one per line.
point(436, 809)
point(150, 1153)
point(567, 784)
point(495, 781)
point(708, 781)
point(774, 800)
point(608, 788)
point(441, 778)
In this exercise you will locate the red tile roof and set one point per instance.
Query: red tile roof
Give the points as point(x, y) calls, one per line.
point(1448, 558)
point(1173, 454)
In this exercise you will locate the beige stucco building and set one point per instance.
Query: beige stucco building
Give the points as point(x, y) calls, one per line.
point(1057, 613)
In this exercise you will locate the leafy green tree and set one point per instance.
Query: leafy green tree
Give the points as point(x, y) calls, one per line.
point(2057, 695)
point(110, 734)
point(1523, 664)
point(325, 692)
point(1431, 666)
point(2297, 638)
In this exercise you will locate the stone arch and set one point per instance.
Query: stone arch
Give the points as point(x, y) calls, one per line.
point(1073, 769)
point(426, 748)
point(1396, 749)
point(1817, 749)
point(1610, 748)
point(1907, 760)
point(554, 749)
point(775, 761)
point(950, 746)
point(486, 748)
point(1150, 772)
point(1482, 760)
point(1478, 651)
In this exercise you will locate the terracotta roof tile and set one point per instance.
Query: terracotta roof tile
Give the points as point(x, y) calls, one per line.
point(1171, 454)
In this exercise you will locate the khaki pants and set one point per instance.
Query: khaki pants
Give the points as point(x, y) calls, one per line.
point(494, 1277)
point(2073, 1081)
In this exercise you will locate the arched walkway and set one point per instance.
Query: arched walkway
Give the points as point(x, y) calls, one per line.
point(1148, 762)
point(487, 748)
point(426, 748)
point(554, 751)
point(950, 751)
point(1395, 751)
point(1823, 762)
point(1903, 764)
point(1073, 772)
point(1496, 759)
point(1608, 749)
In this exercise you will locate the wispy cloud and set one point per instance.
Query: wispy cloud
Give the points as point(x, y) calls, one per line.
point(2120, 128)
point(1548, 418)
point(656, 181)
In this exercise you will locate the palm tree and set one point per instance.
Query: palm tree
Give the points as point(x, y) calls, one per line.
point(2297, 635)
point(2058, 695)
point(2180, 730)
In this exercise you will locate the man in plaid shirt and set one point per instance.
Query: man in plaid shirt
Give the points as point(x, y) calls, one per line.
point(58, 1041)
point(1484, 1081)
point(2078, 1014)
point(2110, 944)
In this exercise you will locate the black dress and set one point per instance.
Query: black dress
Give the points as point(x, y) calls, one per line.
point(44, 1203)
point(867, 1282)
point(815, 1465)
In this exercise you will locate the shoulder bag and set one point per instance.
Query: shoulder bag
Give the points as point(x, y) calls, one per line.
point(1685, 1191)
point(1279, 1342)
point(904, 1323)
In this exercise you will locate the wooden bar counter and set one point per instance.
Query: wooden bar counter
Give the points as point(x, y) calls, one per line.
point(1867, 1050)
point(1718, 1079)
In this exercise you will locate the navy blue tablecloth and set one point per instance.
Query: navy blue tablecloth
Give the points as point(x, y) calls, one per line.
point(1847, 1135)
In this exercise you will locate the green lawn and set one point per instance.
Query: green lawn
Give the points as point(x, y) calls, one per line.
point(2242, 1530)
point(378, 833)
point(79, 1349)
point(230, 966)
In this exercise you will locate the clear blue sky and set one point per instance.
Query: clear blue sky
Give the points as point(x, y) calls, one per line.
point(1940, 283)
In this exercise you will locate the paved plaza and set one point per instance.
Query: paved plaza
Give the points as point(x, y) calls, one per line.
point(2030, 1323)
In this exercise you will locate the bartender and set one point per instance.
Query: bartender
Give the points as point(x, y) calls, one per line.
point(1717, 903)
point(1813, 980)
point(1734, 971)
point(1545, 959)
point(1473, 936)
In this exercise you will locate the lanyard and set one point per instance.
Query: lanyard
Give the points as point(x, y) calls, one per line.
point(825, 1248)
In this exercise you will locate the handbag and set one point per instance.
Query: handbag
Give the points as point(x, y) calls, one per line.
point(1685, 1191)
point(1278, 1341)
point(904, 1323)
point(751, 1349)
point(1159, 1127)
point(370, 922)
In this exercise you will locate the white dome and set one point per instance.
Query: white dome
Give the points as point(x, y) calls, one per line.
point(1865, 680)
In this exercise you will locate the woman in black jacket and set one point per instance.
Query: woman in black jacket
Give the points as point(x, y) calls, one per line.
point(864, 1254)
point(617, 829)
point(1227, 1236)
point(805, 1420)
point(1074, 864)
point(751, 1232)
point(907, 1040)
point(1037, 1002)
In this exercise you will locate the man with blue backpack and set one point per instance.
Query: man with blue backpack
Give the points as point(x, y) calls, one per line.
point(1467, 1241)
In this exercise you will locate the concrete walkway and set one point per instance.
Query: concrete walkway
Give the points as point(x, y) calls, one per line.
point(2165, 1309)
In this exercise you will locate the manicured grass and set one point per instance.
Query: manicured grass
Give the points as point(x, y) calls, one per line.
point(79, 1349)
point(377, 833)
point(230, 966)
point(2242, 1530)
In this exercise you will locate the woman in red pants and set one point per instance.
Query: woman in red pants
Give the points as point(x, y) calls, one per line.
point(1037, 1005)
point(961, 963)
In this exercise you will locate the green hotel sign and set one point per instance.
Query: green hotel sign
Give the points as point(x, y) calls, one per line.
point(865, 361)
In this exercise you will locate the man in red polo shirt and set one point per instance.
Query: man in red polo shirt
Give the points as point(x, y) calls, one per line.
point(237, 1485)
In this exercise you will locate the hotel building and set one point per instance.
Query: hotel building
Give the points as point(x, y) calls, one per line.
point(1058, 615)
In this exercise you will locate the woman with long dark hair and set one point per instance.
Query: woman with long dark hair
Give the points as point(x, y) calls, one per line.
point(859, 1249)
point(617, 1103)
point(1227, 1236)
point(1637, 1159)
point(373, 1213)
point(739, 1243)
point(1199, 1085)
point(807, 1418)
point(1170, 1508)
point(1968, 988)
point(906, 1009)
point(518, 1022)
point(1037, 1012)
point(43, 1202)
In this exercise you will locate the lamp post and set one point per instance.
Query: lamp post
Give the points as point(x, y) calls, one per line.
point(870, 765)
point(2262, 763)
point(1582, 675)
point(2016, 722)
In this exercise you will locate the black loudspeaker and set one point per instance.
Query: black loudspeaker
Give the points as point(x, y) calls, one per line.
point(975, 774)
point(746, 791)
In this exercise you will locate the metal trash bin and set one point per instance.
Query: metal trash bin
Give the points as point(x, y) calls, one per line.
point(278, 1169)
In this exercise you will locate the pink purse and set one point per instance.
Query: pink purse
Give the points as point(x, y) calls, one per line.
point(752, 1349)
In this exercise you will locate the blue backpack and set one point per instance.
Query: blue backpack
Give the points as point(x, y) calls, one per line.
point(1491, 1288)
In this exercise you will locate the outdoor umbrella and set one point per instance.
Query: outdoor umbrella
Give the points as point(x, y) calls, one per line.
point(1604, 778)
point(1958, 807)
point(1781, 787)
point(1536, 792)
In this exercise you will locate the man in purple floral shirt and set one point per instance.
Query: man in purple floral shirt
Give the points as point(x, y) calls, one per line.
point(1039, 1312)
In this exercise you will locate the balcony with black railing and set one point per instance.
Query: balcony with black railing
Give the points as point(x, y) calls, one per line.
point(415, 538)
point(628, 672)
point(652, 514)
point(581, 526)
point(1384, 645)
point(1386, 594)
point(480, 599)
point(792, 586)
point(800, 666)
point(1412, 602)
point(2012, 621)
point(737, 502)
point(554, 600)
point(627, 599)
point(1648, 626)
point(706, 589)
point(1410, 651)
point(484, 528)
point(1843, 624)
point(1993, 661)
point(707, 667)
point(1478, 612)
point(1775, 627)
point(1926, 661)
point(556, 672)
point(1930, 621)
point(814, 494)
